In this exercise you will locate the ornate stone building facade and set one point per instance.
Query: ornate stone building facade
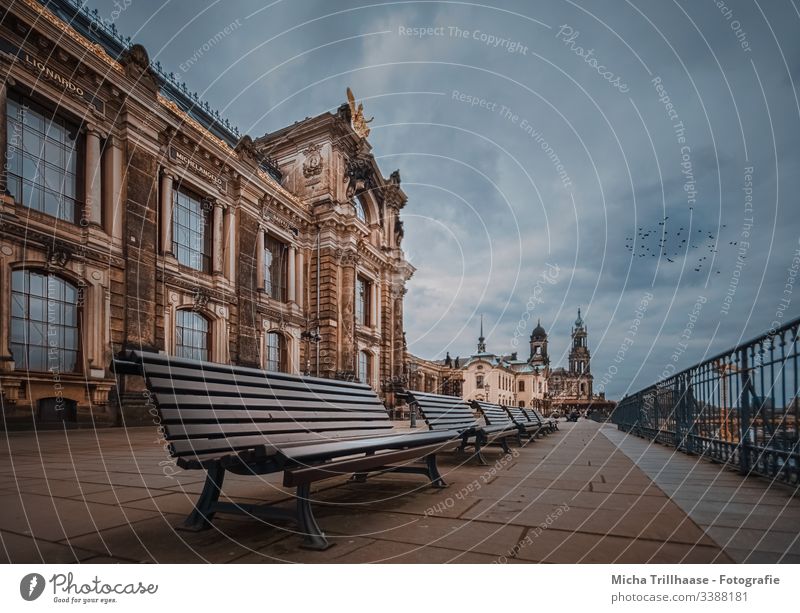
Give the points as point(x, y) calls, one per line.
point(134, 216)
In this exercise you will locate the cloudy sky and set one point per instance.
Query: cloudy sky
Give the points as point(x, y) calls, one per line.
point(638, 159)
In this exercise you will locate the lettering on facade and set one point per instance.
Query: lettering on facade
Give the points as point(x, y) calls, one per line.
point(46, 72)
point(187, 162)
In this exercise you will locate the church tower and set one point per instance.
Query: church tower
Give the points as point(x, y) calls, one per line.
point(538, 344)
point(579, 356)
point(481, 340)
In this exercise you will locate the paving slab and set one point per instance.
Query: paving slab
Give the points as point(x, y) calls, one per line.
point(111, 496)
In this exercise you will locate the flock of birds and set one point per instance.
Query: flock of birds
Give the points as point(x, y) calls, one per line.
point(668, 245)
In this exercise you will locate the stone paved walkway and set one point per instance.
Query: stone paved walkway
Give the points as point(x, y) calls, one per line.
point(574, 496)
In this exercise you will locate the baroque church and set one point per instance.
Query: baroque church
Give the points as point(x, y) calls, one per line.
point(510, 380)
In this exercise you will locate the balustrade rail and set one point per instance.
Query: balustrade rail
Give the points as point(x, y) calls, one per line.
point(739, 407)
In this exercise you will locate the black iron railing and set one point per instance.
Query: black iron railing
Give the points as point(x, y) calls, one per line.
point(739, 407)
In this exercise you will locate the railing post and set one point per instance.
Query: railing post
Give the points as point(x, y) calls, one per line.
point(680, 413)
point(744, 415)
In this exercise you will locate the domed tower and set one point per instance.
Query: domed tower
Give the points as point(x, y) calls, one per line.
point(538, 342)
point(579, 356)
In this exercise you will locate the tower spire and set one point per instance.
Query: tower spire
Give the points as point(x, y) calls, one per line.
point(481, 339)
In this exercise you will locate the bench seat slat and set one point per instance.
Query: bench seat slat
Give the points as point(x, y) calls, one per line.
point(231, 389)
point(272, 427)
point(223, 404)
point(264, 383)
point(183, 415)
point(240, 443)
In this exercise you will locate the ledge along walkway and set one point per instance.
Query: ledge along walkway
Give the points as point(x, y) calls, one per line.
point(587, 493)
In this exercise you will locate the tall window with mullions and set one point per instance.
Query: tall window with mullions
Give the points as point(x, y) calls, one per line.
point(191, 335)
point(44, 323)
point(191, 234)
point(275, 268)
point(41, 159)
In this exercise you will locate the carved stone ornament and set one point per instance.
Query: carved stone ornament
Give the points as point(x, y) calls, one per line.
point(136, 62)
point(200, 298)
point(312, 165)
point(357, 119)
point(58, 256)
point(347, 257)
point(246, 148)
point(359, 175)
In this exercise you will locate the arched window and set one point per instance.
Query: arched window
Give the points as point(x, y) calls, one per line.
point(44, 322)
point(361, 209)
point(276, 352)
point(479, 381)
point(191, 336)
point(364, 367)
point(522, 386)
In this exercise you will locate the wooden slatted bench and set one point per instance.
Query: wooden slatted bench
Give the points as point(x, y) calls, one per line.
point(549, 422)
point(495, 415)
point(530, 428)
point(219, 418)
point(451, 413)
point(534, 416)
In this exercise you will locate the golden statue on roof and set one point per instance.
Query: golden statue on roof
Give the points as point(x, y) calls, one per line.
point(357, 120)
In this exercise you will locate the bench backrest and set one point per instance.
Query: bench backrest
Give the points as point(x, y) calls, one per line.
point(208, 408)
point(443, 412)
point(518, 415)
point(494, 414)
point(532, 416)
point(538, 414)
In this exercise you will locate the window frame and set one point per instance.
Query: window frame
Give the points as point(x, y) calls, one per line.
point(45, 301)
point(179, 190)
point(282, 350)
point(366, 356)
point(192, 355)
point(282, 274)
point(51, 116)
point(363, 308)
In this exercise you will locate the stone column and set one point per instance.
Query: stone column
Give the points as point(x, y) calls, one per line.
point(93, 205)
point(290, 282)
point(216, 238)
point(166, 213)
point(300, 287)
point(230, 244)
point(260, 281)
point(4, 66)
point(373, 306)
point(5, 294)
point(348, 296)
point(113, 207)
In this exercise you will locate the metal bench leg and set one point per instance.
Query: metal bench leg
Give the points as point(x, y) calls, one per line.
point(504, 445)
point(478, 455)
point(313, 537)
point(200, 518)
point(433, 472)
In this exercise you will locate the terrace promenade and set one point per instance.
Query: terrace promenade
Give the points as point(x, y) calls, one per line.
point(588, 493)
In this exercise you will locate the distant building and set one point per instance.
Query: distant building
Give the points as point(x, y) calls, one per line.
point(510, 381)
